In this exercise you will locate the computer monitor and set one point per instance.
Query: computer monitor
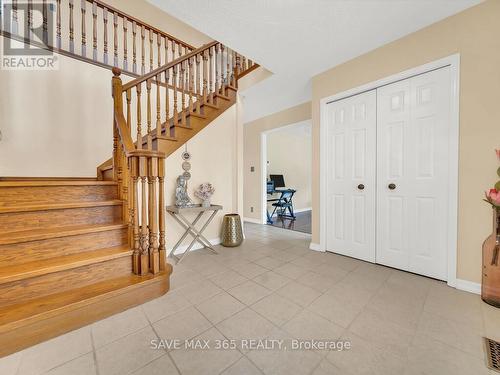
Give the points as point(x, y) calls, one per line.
point(279, 181)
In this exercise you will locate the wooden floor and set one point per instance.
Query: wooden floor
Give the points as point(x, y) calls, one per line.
point(301, 224)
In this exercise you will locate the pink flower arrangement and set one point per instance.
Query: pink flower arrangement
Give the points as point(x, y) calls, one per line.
point(493, 195)
point(204, 191)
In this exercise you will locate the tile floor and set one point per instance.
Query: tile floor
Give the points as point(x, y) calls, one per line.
point(273, 287)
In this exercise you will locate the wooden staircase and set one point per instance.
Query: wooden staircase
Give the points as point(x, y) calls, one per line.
point(65, 260)
point(75, 250)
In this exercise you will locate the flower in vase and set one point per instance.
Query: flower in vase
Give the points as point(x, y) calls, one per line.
point(204, 191)
point(498, 154)
point(493, 197)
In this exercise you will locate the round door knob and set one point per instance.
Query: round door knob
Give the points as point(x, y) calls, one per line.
point(361, 186)
point(392, 186)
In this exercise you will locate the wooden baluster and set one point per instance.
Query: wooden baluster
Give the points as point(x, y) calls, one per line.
point(191, 84)
point(228, 66)
point(167, 102)
point(158, 106)
point(161, 209)
point(205, 76)
point(233, 68)
point(174, 82)
point(125, 47)
point(210, 77)
point(179, 49)
point(158, 43)
point(151, 53)
point(183, 93)
point(148, 113)
point(222, 75)
point(84, 36)
point(115, 39)
point(243, 63)
point(136, 245)
point(134, 47)
point(71, 31)
point(105, 19)
point(174, 45)
point(153, 216)
point(198, 85)
point(143, 50)
point(238, 65)
point(144, 217)
point(58, 22)
point(129, 114)
point(166, 50)
point(94, 31)
point(216, 54)
point(45, 23)
point(139, 111)
point(30, 20)
point(15, 19)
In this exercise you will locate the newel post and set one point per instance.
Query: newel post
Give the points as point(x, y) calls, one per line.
point(116, 92)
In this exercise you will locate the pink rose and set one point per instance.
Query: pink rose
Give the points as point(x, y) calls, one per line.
point(493, 196)
point(498, 154)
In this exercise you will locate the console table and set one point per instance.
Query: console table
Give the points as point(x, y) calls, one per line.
point(190, 227)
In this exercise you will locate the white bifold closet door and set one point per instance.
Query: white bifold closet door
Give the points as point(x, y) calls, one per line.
point(388, 174)
point(413, 129)
point(351, 176)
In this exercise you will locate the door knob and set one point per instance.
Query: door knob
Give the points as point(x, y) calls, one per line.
point(361, 186)
point(392, 186)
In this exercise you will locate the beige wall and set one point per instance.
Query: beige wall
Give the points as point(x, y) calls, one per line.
point(289, 153)
point(252, 153)
point(474, 34)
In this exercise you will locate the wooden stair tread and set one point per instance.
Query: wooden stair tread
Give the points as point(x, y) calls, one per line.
point(65, 262)
point(44, 307)
point(55, 232)
point(17, 183)
point(59, 206)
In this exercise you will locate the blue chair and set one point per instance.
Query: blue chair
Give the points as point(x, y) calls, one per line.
point(284, 204)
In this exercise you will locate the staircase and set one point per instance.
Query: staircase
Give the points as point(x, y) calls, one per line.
point(75, 250)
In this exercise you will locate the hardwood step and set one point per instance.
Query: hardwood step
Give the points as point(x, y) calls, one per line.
point(67, 262)
point(59, 206)
point(38, 250)
point(35, 220)
point(39, 319)
point(56, 232)
point(54, 182)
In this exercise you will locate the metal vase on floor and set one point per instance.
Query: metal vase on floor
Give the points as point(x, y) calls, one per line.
point(232, 232)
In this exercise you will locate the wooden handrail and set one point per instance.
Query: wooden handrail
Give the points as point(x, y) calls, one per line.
point(165, 67)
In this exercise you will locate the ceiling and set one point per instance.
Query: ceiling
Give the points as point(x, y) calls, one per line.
point(297, 39)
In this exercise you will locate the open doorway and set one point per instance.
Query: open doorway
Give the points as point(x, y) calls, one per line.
point(286, 177)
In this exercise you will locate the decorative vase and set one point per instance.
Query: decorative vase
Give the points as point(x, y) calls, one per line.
point(205, 203)
point(490, 287)
point(232, 232)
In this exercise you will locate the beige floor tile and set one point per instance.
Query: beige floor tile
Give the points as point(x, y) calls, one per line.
point(285, 255)
point(205, 361)
point(309, 326)
point(249, 270)
point(127, 354)
point(49, 354)
point(326, 368)
point(246, 324)
point(249, 292)
point(197, 292)
point(227, 280)
point(343, 262)
point(352, 294)
point(166, 305)
point(373, 327)
point(300, 294)
point(277, 309)
point(491, 321)
point(119, 325)
point(452, 333)
point(272, 280)
point(364, 281)
point(160, 366)
point(316, 281)
point(242, 367)
point(10, 364)
point(220, 307)
point(184, 325)
point(269, 262)
point(84, 365)
point(281, 362)
point(365, 358)
point(396, 310)
point(183, 275)
point(291, 270)
point(330, 270)
point(336, 310)
point(427, 356)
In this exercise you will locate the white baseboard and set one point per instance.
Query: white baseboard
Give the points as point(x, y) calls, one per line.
point(181, 249)
point(468, 286)
point(252, 220)
point(315, 247)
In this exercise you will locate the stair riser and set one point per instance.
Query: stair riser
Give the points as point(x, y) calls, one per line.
point(44, 249)
point(25, 195)
point(15, 221)
point(35, 287)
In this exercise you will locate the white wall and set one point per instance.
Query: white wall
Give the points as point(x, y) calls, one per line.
point(289, 153)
